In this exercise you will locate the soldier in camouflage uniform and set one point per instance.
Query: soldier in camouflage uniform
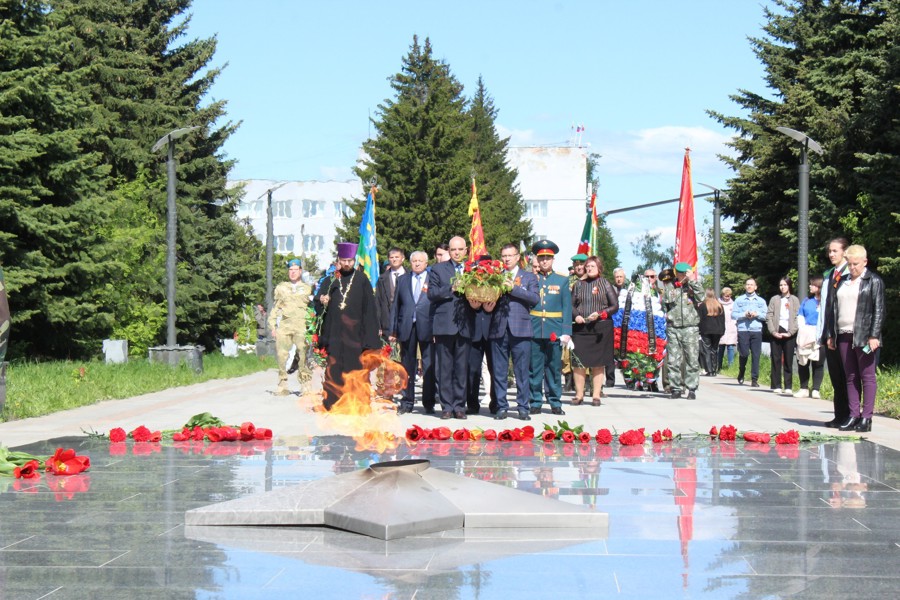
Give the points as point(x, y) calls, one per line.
point(4, 318)
point(680, 300)
point(287, 322)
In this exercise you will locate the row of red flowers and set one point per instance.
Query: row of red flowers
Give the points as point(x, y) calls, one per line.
point(203, 426)
point(568, 435)
point(21, 465)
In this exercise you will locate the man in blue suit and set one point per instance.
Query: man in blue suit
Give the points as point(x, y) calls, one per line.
point(480, 346)
point(451, 324)
point(511, 331)
point(411, 325)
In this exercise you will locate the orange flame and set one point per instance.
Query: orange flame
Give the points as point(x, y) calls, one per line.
point(366, 414)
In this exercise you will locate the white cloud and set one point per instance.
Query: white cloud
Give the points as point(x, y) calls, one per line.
point(657, 151)
point(518, 137)
point(337, 173)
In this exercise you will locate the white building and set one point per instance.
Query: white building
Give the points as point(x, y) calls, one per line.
point(306, 214)
point(553, 184)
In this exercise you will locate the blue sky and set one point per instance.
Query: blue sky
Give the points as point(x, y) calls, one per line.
point(304, 77)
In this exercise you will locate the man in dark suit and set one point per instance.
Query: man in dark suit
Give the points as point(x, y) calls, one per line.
point(411, 325)
point(451, 324)
point(511, 331)
point(386, 287)
point(481, 347)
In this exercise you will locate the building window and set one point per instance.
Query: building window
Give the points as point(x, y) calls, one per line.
point(284, 243)
point(282, 208)
point(342, 210)
point(313, 208)
point(313, 243)
point(535, 208)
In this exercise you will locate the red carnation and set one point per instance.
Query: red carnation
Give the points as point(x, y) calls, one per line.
point(632, 437)
point(727, 433)
point(604, 315)
point(657, 437)
point(753, 436)
point(181, 436)
point(788, 437)
point(548, 435)
point(141, 434)
point(604, 436)
point(713, 432)
point(625, 364)
point(553, 337)
point(262, 433)
point(247, 431)
point(117, 435)
point(667, 433)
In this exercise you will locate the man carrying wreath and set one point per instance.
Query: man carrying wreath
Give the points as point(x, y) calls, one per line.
point(511, 332)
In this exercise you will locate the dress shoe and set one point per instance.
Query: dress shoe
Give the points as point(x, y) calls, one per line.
point(864, 425)
point(740, 380)
point(754, 384)
point(501, 415)
point(447, 414)
point(557, 410)
point(676, 393)
point(460, 414)
point(832, 424)
point(535, 410)
point(524, 415)
point(473, 411)
point(404, 410)
point(849, 425)
point(691, 395)
point(429, 411)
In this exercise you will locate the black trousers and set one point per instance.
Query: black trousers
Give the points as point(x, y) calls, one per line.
point(451, 355)
point(782, 350)
point(709, 353)
point(838, 383)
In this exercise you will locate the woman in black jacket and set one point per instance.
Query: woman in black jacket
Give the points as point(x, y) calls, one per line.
point(712, 327)
point(855, 330)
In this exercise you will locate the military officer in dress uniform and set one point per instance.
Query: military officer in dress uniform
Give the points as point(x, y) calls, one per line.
point(551, 320)
point(287, 322)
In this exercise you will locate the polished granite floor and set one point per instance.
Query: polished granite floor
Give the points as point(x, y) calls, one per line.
point(688, 519)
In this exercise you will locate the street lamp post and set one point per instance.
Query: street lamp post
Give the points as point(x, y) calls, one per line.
point(168, 140)
point(806, 144)
point(717, 237)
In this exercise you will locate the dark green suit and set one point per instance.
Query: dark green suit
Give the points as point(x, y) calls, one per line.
point(550, 318)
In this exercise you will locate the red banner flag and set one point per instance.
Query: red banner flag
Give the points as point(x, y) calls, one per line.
point(686, 231)
point(476, 234)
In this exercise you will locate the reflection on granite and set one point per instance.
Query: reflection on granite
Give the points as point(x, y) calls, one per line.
point(686, 519)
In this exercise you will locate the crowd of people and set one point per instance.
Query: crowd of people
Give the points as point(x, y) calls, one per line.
point(546, 324)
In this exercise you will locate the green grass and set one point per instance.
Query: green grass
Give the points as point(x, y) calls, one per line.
point(887, 400)
point(35, 389)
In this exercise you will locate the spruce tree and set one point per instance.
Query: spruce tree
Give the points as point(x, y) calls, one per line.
point(419, 158)
point(502, 208)
point(832, 69)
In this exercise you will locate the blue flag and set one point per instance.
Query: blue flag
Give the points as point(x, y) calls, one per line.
point(367, 253)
